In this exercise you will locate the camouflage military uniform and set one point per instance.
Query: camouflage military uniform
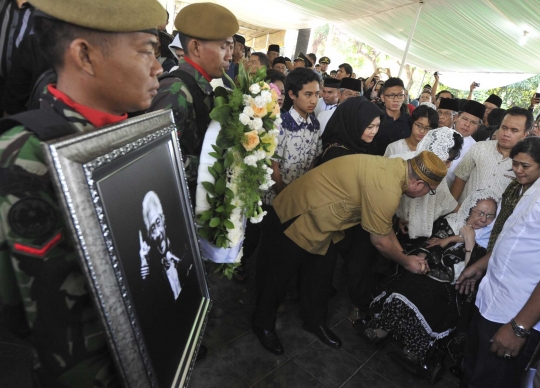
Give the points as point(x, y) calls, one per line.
point(39, 269)
point(174, 94)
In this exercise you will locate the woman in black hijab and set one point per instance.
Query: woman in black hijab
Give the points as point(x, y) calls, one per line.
point(351, 129)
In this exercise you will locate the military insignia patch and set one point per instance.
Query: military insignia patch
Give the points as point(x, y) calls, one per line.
point(32, 217)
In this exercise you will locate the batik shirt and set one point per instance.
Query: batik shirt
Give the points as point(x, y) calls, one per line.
point(174, 94)
point(40, 272)
point(299, 143)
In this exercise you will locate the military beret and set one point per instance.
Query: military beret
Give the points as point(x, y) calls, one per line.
point(106, 15)
point(302, 57)
point(325, 60)
point(240, 39)
point(206, 21)
point(273, 47)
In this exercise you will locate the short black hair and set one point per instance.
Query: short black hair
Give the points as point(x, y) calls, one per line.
point(263, 59)
point(295, 81)
point(425, 111)
point(55, 36)
point(274, 75)
point(313, 58)
point(184, 41)
point(333, 72)
point(444, 91)
point(530, 146)
point(347, 68)
point(391, 82)
point(455, 152)
point(495, 117)
point(517, 111)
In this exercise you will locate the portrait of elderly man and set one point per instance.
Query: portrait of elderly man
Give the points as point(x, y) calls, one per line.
point(159, 266)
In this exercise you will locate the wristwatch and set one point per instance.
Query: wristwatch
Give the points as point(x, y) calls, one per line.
point(519, 330)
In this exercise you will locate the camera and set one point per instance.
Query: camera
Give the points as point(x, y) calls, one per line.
point(476, 84)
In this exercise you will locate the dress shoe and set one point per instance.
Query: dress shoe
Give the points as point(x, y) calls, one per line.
point(324, 334)
point(269, 340)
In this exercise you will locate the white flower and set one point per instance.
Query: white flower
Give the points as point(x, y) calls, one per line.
point(278, 121)
point(259, 218)
point(261, 131)
point(244, 118)
point(267, 96)
point(269, 171)
point(257, 123)
point(260, 154)
point(251, 160)
point(274, 132)
point(248, 111)
point(255, 89)
point(247, 100)
point(259, 203)
point(260, 102)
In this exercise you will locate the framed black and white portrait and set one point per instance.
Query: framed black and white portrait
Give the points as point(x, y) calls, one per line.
point(125, 197)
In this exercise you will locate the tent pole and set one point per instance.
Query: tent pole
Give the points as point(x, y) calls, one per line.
point(411, 34)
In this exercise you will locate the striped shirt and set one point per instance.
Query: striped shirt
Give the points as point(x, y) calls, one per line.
point(15, 24)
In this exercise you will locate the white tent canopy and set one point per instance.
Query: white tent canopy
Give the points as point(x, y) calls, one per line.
point(452, 36)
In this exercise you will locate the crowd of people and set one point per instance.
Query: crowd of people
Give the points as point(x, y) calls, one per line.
point(432, 203)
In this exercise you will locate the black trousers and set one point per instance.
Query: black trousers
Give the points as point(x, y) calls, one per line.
point(484, 368)
point(280, 259)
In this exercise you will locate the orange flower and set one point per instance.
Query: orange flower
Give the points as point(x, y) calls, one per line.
point(259, 112)
point(250, 140)
point(275, 111)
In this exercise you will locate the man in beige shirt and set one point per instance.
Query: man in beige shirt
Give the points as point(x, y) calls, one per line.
point(308, 218)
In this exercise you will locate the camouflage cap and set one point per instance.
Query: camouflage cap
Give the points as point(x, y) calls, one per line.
point(206, 21)
point(106, 15)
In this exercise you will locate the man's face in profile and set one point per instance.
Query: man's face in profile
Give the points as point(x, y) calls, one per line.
point(157, 232)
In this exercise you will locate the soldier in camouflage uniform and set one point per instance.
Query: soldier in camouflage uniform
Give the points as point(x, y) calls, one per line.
point(40, 274)
point(206, 32)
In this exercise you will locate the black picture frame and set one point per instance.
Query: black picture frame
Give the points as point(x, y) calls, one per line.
point(125, 198)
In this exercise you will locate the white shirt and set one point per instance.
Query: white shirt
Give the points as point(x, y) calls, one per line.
point(484, 167)
point(321, 107)
point(396, 148)
point(467, 143)
point(324, 118)
point(514, 267)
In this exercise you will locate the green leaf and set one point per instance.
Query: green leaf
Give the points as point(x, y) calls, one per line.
point(209, 187)
point(221, 185)
point(230, 208)
point(218, 168)
point(205, 216)
point(228, 224)
point(229, 193)
point(220, 209)
point(203, 232)
point(220, 91)
point(219, 101)
point(213, 172)
point(221, 242)
point(215, 155)
point(229, 159)
point(214, 222)
point(221, 114)
point(217, 149)
point(231, 81)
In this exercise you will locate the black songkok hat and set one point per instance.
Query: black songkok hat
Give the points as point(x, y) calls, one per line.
point(330, 82)
point(494, 99)
point(351, 83)
point(279, 60)
point(474, 108)
point(449, 103)
point(273, 47)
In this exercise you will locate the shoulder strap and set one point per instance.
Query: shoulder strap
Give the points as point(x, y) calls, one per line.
point(202, 114)
point(45, 123)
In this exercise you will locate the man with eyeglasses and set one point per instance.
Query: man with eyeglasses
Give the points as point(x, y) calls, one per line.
point(466, 123)
point(443, 94)
point(396, 126)
point(448, 109)
point(488, 165)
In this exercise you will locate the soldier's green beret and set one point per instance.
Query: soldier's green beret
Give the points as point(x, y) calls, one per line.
point(206, 21)
point(106, 15)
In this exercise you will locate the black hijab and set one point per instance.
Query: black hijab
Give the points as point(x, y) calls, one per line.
point(349, 122)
